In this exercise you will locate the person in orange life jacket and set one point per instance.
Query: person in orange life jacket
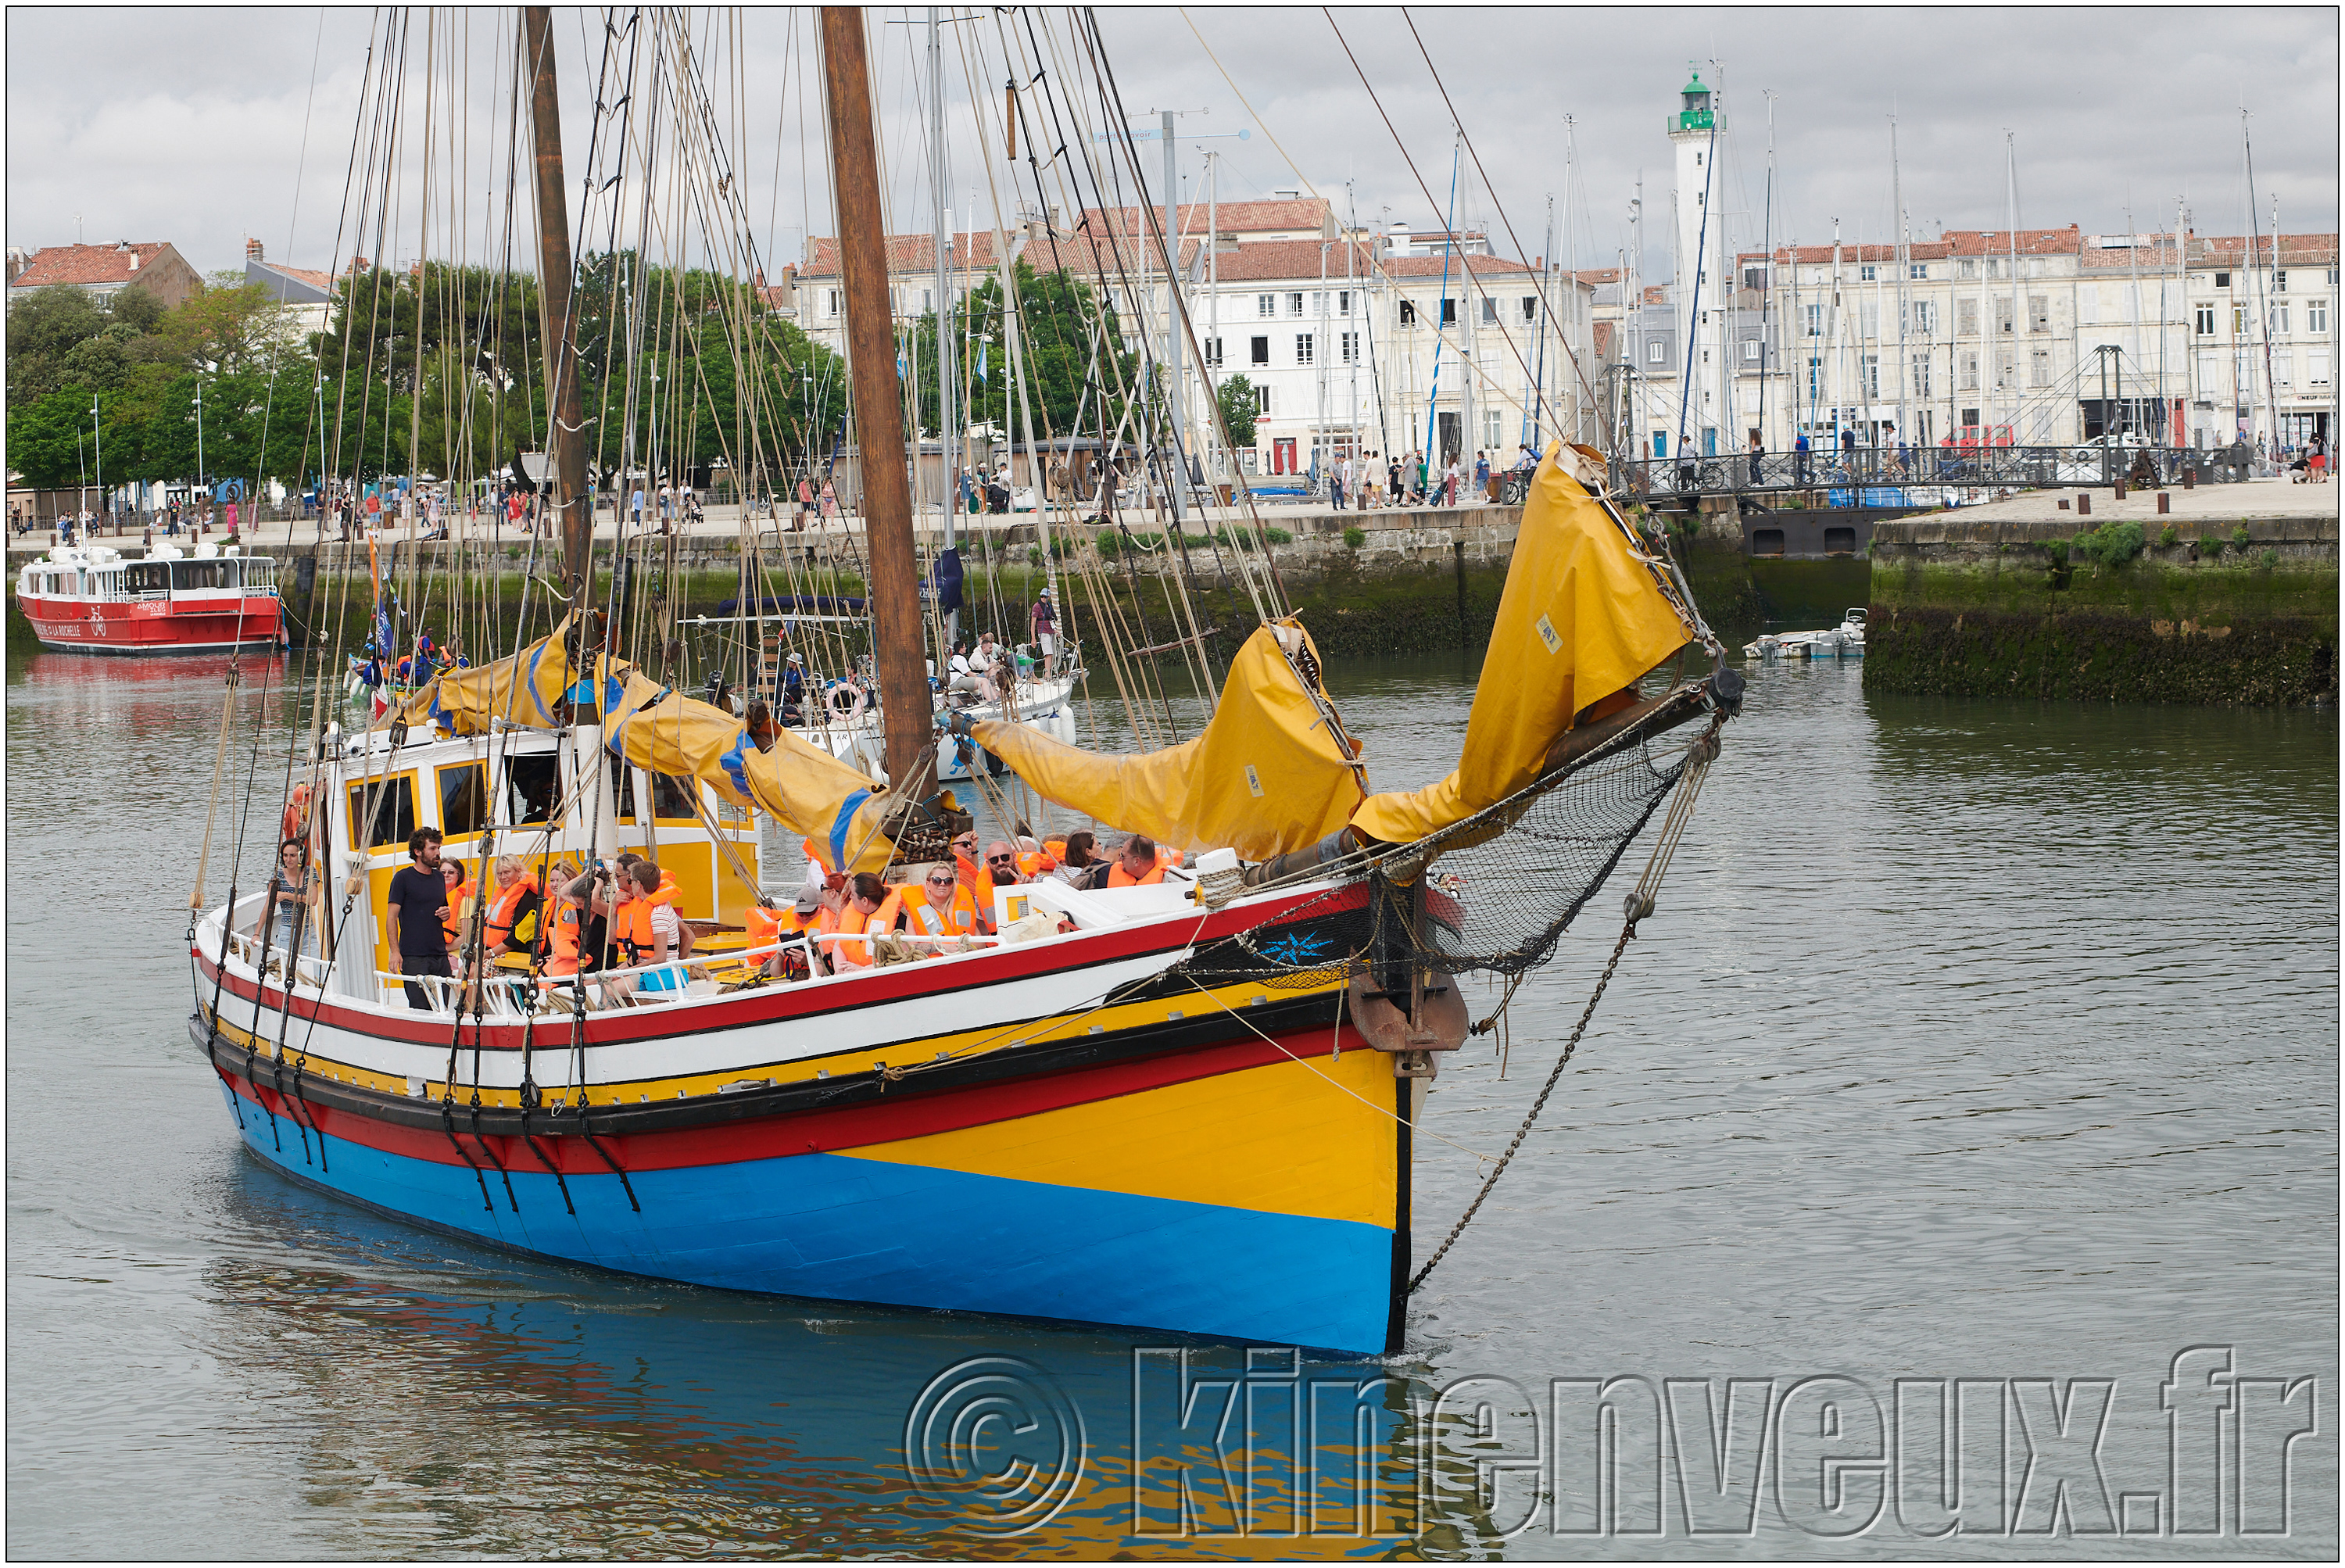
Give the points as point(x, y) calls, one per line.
point(1136, 865)
point(509, 928)
point(974, 879)
point(767, 922)
point(459, 888)
point(1002, 865)
point(566, 939)
point(668, 893)
point(647, 931)
point(936, 905)
point(866, 893)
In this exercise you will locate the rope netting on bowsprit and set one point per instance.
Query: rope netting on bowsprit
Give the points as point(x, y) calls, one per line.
point(1499, 888)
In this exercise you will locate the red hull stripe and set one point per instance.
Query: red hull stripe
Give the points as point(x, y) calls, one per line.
point(895, 984)
point(799, 1133)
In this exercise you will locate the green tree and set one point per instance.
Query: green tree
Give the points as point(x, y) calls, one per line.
point(51, 320)
point(1062, 323)
point(1237, 397)
point(135, 308)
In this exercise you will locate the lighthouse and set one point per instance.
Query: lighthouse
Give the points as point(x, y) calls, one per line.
point(1704, 291)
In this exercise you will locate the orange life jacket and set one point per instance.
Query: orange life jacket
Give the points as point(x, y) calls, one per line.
point(453, 926)
point(923, 916)
point(981, 896)
point(1117, 877)
point(858, 953)
point(297, 815)
point(501, 915)
point(562, 934)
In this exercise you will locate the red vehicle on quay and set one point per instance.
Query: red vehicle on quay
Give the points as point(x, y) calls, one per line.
point(89, 599)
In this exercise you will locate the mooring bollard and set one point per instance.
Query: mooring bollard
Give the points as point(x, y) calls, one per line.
point(2084, 503)
point(2189, 479)
point(2120, 493)
point(2164, 503)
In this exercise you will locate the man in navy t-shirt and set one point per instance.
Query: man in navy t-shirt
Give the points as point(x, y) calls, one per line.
point(414, 909)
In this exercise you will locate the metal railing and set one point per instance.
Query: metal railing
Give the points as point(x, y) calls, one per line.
point(1850, 472)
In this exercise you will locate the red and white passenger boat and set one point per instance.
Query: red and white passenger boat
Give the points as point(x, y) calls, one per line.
point(91, 600)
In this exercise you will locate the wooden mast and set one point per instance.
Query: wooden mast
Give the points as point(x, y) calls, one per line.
point(887, 503)
point(565, 437)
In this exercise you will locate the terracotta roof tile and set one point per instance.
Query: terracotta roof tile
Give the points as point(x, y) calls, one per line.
point(90, 264)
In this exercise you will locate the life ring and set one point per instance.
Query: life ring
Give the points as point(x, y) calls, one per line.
point(846, 702)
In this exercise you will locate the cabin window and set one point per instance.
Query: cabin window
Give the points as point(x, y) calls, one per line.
point(626, 795)
point(533, 785)
point(393, 822)
point(147, 577)
point(674, 798)
point(187, 574)
point(464, 799)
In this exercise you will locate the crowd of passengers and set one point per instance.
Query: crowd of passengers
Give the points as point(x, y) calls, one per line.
point(591, 920)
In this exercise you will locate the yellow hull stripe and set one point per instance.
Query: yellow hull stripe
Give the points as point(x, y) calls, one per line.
point(1283, 1138)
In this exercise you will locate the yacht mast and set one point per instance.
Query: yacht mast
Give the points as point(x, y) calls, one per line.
point(565, 433)
point(947, 449)
point(886, 500)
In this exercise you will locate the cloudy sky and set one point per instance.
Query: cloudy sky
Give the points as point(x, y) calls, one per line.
point(204, 126)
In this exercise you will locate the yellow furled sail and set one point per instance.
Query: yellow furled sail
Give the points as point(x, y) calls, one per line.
point(1270, 774)
point(1580, 619)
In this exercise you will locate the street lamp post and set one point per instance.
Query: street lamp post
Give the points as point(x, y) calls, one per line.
point(199, 437)
point(98, 446)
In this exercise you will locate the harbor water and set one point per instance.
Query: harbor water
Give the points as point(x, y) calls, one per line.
point(1950, 1169)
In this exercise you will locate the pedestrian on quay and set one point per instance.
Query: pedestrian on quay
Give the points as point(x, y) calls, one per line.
point(1392, 480)
point(1757, 452)
point(1800, 458)
point(1482, 473)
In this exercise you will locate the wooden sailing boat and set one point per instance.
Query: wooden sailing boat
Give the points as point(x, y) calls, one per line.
point(1187, 1106)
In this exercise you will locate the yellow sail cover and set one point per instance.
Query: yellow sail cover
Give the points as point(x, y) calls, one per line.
point(796, 782)
point(1269, 774)
point(1579, 619)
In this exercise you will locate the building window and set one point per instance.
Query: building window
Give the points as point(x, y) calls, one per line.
point(1213, 352)
point(2318, 367)
point(1294, 303)
point(831, 305)
point(2316, 316)
point(1301, 348)
point(1530, 309)
point(1926, 317)
point(2222, 279)
point(1351, 344)
point(1489, 311)
point(1815, 321)
point(1970, 373)
point(928, 299)
point(1867, 273)
point(2039, 313)
point(1868, 320)
point(1750, 351)
point(1319, 303)
point(1408, 312)
point(1922, 376)
point(1262, 351)
point(1342, 301)
point(2280, 320)
point(2041, 368)
point(2206, 315)
point(2280, 281)
point(1266, 304)
point(1917, 270)
point(2238, 320)
point(2283, 367)
point(1966, 268)
point(1872, 374)
point(2003, 315)
point(1262, 400)
point(1448, 313)
point(1815, 377)
point(1656, 354)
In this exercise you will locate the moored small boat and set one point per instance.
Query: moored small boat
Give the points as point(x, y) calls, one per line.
point(93, 599)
